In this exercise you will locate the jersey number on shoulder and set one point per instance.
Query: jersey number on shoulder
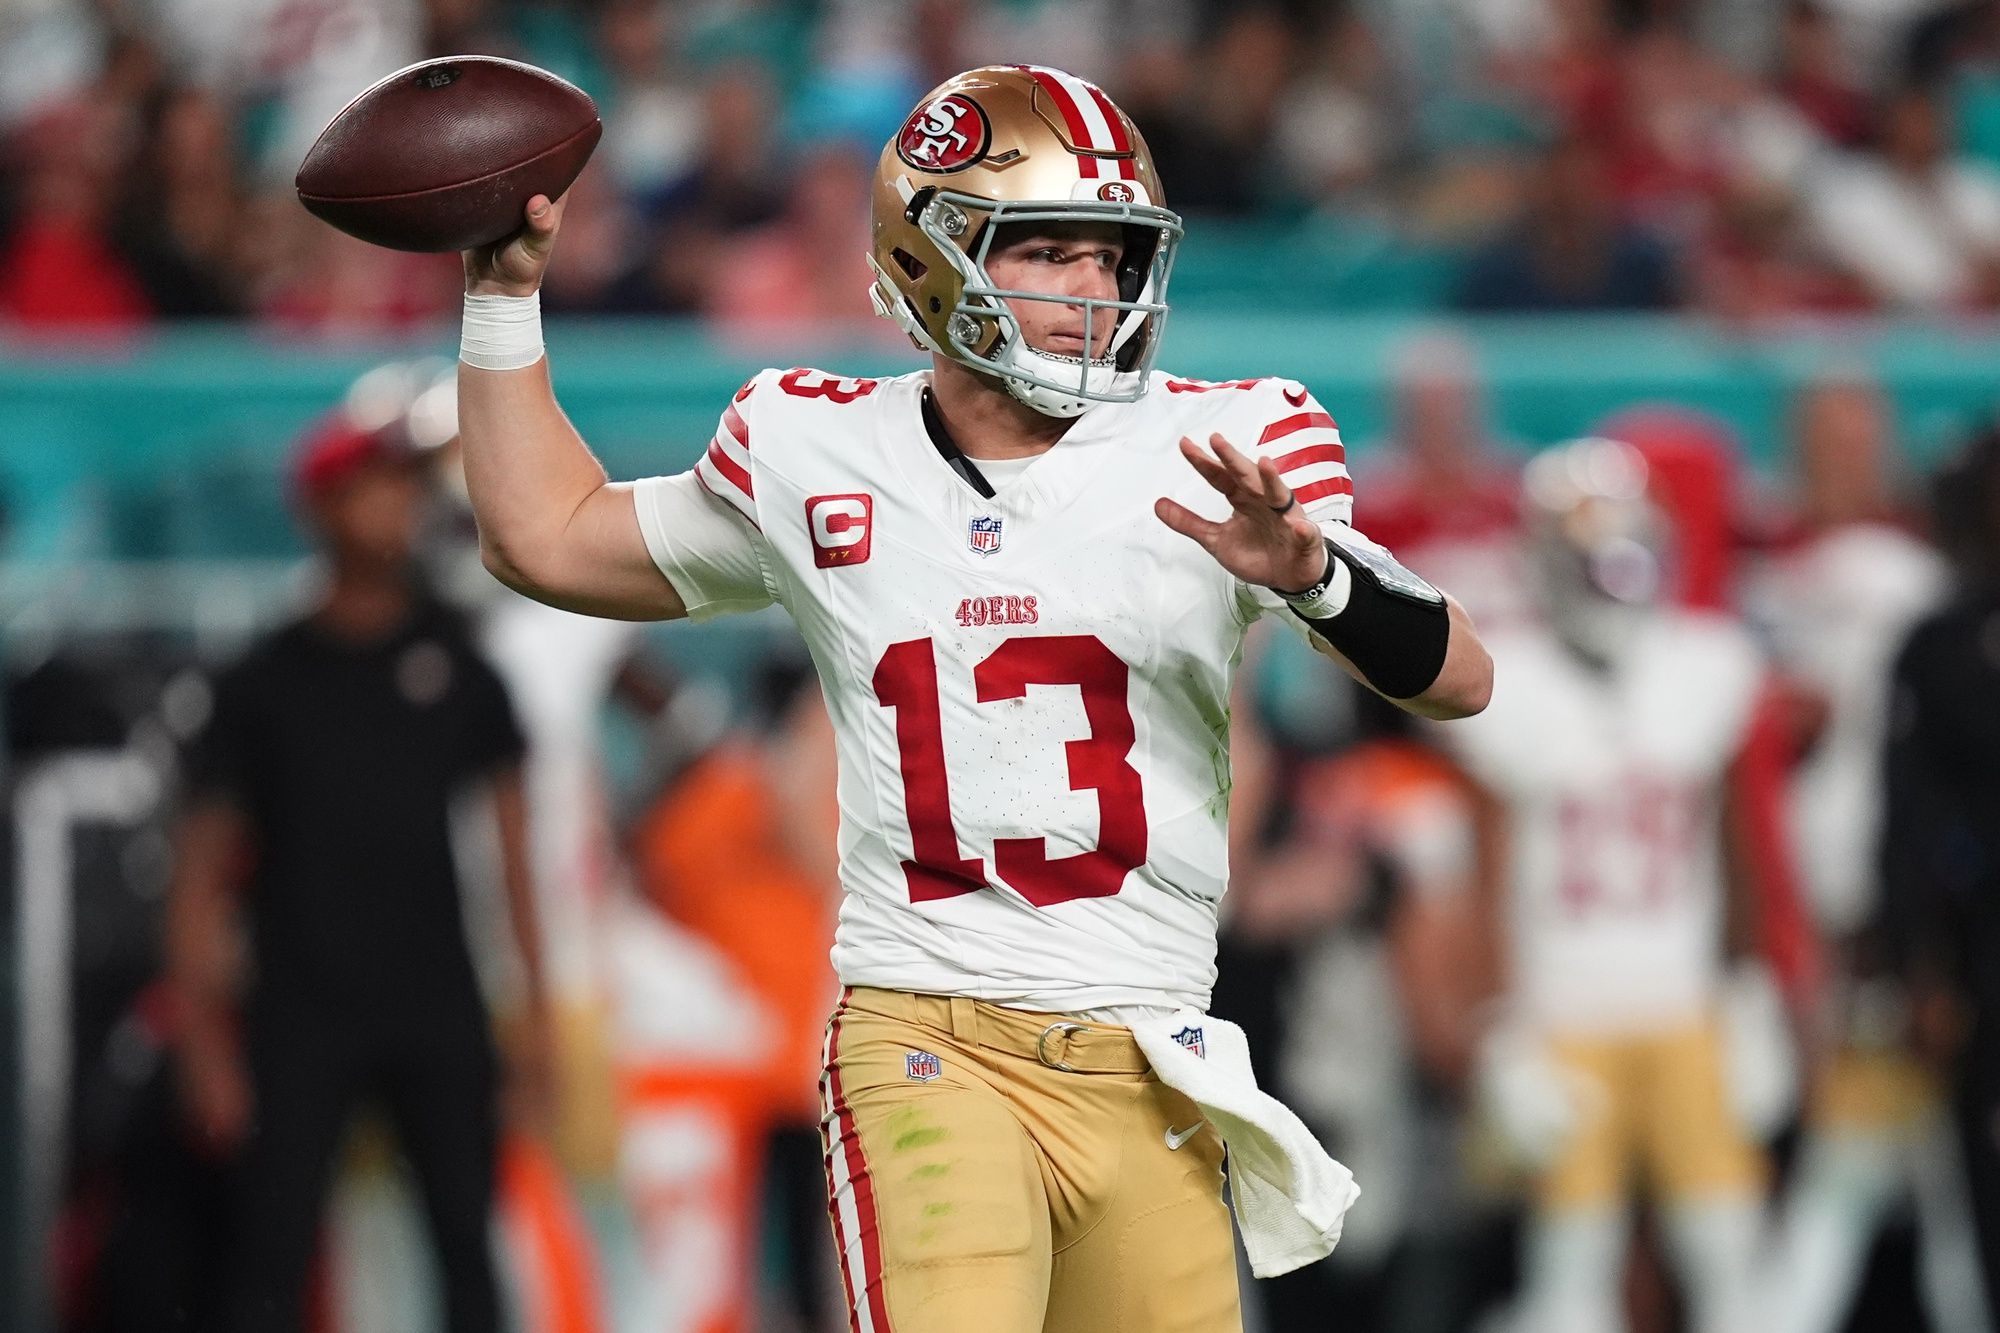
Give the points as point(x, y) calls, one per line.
point(804, 383)
point(906, 680)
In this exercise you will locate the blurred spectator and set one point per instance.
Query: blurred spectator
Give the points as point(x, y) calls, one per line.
point(1335, 131)
point(62, 270)
point(1622, 911)
point(1756, 262)
point(1442, 493)
point(1686, 165)
point(1570, 251)
point(1920, 224)
point(1817, 77)
point(733, 183)
point(318, 819)
point(729, 186)
point(810, 266)
point(1839, 598)
point(1940, 854)
point(1208, 113)
point(328, 284)
point(652, 120)
point(181, 210)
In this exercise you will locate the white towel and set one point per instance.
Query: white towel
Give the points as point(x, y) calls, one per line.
point(1290, 1196)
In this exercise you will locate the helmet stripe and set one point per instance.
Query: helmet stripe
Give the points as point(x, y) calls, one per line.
point(1094, 123)
point(1071, 113)
point(1113, 122)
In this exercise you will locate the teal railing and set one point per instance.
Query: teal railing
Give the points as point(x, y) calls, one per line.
point(171, 446)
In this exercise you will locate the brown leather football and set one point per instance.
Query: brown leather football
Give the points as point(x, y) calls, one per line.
point(446, 154)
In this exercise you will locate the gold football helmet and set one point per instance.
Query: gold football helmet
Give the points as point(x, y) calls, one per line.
point(1596, 542)
point(1020, 143)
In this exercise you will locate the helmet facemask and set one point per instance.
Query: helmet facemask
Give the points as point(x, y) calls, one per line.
point(983, 333)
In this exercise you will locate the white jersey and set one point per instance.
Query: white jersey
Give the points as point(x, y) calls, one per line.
point(1612, 785)
point(1839, 607)
point(1029, 692)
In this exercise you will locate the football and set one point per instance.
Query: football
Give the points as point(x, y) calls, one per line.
point(445, 155)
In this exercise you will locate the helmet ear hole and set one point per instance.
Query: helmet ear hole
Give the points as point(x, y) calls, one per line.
point(913, 267)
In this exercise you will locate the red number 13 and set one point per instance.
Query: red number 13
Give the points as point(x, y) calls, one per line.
point(906, 680)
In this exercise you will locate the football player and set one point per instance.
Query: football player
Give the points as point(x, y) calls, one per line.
point(1841, 599)
point(1024, 575)
point(1617, 901)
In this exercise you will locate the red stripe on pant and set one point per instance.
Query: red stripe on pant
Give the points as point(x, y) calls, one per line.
point(832, 1131)
point(863, 1187)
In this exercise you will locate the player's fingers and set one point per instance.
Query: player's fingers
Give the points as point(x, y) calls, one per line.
point(539, 236)
point(1211, 471)
point(546, 214)
point(1240, 467)
point(1274, 490)
point(1186, 522)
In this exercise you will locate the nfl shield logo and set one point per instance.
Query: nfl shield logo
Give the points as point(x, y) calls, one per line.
point(923, 1066)
point(1191, 1038)
point(984, 535)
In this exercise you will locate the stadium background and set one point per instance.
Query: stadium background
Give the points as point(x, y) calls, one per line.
point(1581, 206)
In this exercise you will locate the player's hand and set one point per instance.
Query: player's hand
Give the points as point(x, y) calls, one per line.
point(514, 267)
point(1267, 539)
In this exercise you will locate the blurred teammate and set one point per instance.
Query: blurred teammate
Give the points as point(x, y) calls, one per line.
point(319, 802)
point(1616, 905)
point(1025, 606)
point(1839, 600)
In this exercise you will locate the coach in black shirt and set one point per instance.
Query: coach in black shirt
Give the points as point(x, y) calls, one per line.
point(319, 818)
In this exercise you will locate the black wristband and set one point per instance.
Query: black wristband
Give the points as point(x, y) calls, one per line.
point(1396, 637)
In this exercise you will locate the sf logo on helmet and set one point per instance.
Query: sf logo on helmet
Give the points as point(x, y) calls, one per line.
point(1117, 192)
point(948, 134)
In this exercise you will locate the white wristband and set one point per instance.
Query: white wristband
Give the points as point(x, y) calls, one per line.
point(501, 332)
point(1329, 598)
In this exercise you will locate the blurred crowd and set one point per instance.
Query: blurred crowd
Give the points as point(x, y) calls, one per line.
point(1749, 159)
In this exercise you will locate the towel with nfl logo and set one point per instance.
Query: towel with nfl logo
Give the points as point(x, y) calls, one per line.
point(1290, 1196)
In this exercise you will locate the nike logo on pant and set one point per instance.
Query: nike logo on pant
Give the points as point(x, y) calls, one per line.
point(1176, 1137)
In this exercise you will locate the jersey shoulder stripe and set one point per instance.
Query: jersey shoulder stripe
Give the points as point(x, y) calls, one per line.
point(1292, 425)
point(1301, 437)
point(725, 468)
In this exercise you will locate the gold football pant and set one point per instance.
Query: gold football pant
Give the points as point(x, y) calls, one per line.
point(1665, 1112)
point(975, 1183)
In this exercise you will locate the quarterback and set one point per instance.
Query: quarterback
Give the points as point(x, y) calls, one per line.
point(1024, 575)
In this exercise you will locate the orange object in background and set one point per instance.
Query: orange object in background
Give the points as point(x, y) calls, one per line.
point(748, 866)
point(692, 1162)
point(553, 1260)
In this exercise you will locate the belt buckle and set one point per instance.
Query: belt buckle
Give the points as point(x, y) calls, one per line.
point(1042, 1044)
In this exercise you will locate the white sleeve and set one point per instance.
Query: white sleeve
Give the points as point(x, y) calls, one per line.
point(704, 546)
